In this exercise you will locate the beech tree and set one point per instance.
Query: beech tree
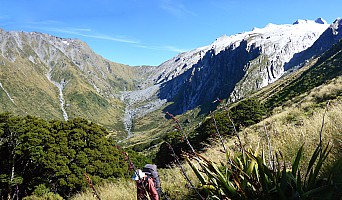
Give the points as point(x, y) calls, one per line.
point(20, 150)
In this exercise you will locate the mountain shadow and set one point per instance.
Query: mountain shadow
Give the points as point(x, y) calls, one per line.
point(328, 38)
point(212, 77)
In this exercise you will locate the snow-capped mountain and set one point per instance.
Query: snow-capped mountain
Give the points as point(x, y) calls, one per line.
point(328, 38)
point(278, 42)
point(233, 66)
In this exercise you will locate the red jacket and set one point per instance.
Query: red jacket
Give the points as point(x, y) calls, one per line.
point(148, 184)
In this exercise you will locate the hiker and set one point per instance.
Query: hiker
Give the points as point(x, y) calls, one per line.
point(145, 186)
point(150, 170)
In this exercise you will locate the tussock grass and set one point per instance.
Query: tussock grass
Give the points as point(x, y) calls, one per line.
point(301, 122)
point(174, 183)
point(289, 129)
point(327, 91)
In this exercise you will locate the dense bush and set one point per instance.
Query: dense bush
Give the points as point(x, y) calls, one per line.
point(56, 155)
point(247, 112)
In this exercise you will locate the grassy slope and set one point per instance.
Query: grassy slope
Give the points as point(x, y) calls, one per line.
point(28, 90)
point(27, 84)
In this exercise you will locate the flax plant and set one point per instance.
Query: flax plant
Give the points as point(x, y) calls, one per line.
point(248, 176)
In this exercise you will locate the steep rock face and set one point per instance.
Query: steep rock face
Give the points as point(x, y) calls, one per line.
point(279, 44)
point(328, 38)
point(232, 66)
point(213, 76)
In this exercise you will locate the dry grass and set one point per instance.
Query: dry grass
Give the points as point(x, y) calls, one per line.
point(173, 184)
point(123, 189)
point(334, 88)
point(289, 129)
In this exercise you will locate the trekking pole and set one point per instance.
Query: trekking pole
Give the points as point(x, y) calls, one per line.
point(92, 186)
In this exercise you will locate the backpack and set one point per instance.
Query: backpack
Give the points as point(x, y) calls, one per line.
point(151, 171)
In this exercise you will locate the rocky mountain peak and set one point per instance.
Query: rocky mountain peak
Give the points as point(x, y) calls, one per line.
point(336, 26)
point(321, 21)
point(318, 21)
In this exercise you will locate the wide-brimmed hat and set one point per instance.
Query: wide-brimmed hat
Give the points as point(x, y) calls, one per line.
point(138, 175)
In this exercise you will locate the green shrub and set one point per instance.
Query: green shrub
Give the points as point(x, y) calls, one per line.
point(41, 192)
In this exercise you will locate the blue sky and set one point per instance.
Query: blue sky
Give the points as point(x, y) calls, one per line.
point(149, 32)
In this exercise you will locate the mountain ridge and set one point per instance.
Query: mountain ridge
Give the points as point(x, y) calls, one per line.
point(54, 65)
point(186, 61)
point(54, 77)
